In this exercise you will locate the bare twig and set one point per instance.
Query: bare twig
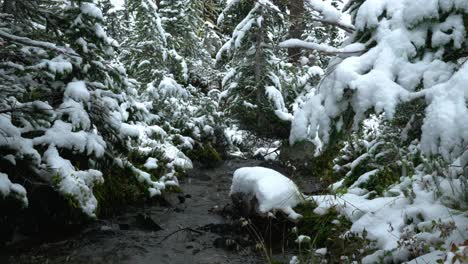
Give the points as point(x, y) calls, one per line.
point(179, 230)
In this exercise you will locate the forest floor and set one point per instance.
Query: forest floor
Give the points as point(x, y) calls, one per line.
point(190, 227)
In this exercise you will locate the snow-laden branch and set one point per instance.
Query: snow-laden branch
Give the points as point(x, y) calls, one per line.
point(330, 15)
point(350, 50)
point(343, 26)
point(35, 43)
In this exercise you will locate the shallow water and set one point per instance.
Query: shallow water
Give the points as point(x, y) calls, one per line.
point(189, 229)
point(124, 239)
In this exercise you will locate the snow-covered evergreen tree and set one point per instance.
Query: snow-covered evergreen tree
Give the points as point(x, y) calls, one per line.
point(412, 41)
point(252, 86)
point(147, 54)
point(153, 59)
point(116, 20)
point(405, 61)
point(69, 112)
point(183, 20)
point(65, 96)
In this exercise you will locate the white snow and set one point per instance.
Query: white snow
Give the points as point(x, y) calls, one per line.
point(151, 163)
point(268, 153)
point(388, 74)
point(321, 251)
point(79, 184)
point(8, 188)
point(303, 239)
point(77, 90)
point(390, 218)
point(168, 87)
point(272, 190)
point(297, 43)
point(330, 14)
point(61, 135)
point(277, 98)
point(92, 10)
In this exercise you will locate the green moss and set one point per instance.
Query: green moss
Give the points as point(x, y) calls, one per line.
point(341, 190)
point(380, 181)
point(327, 231)
point(206, 155)
point(120, 188)
point(56, 179)
point(301, 156)
point(319, 227)
point(72, 202)
point(173, 189)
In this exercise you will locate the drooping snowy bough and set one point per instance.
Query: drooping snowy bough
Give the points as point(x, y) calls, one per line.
point(265, 191)
point(410, 49)
point(412, 70)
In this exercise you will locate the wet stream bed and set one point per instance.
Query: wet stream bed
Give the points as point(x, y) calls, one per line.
point(190, 227)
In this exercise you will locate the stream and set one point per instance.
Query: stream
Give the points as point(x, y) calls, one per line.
point(190, 228)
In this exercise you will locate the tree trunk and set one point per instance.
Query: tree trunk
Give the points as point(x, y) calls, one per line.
point(258, 73)
point(296, 8)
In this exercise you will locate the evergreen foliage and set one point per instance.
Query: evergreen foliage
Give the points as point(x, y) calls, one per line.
point(252, 85)
point(104, 105)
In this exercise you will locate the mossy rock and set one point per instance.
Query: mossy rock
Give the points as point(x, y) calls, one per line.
point(206, 155)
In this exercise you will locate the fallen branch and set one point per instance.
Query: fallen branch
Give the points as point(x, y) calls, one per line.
point(178, 230)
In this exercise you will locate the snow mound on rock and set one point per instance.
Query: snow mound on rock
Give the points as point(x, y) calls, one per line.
point(273, 190)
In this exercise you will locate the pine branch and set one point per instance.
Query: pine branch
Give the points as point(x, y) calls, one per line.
point(321, 48)
point(36, 43)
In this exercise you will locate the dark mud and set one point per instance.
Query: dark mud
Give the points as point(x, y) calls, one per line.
point(190, 227)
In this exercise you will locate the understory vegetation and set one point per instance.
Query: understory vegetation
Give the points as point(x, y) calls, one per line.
point(108, 103)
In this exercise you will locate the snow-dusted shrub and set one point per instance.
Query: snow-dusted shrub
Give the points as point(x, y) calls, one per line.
point(69, 116)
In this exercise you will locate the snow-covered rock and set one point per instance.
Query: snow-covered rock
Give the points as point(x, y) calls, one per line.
point(271, 190)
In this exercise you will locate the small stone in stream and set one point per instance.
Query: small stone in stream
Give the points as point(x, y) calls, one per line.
point(214, 209)
point(106, 228)
point(189, 247)
point(195, 251)
point(124, 226)
point(146, 222)
point(178, 210)
point(188, 196)
point(181, 198)
point(219, 242)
